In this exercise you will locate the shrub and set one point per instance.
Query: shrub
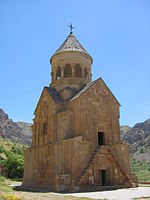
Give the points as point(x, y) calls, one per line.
point(1, 159)
point(2, 149)
point(14, 165)
point(17, 150)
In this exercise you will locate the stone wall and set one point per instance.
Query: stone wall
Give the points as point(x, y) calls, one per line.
point(96, 111)
point(29, 167)
point(65, 137)
point(122, 152)
point(68, 154)
point(64, 125)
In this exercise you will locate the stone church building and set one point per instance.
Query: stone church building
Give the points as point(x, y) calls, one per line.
point(76, 133)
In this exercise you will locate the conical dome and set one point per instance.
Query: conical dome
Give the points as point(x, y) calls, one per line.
point(71, 44)
point(70, 65)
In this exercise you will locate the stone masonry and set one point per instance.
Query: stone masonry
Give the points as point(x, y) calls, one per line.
point(76, 133)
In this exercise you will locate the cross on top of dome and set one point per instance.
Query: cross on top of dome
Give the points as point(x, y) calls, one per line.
point(71, 44)
point(71, 27)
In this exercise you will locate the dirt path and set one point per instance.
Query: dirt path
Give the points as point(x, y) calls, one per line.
point(44, 196)
point(120, 194)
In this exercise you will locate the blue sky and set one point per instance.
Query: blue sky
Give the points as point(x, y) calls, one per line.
point(116, 33)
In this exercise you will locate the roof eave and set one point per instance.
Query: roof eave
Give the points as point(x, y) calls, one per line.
point(55, 54)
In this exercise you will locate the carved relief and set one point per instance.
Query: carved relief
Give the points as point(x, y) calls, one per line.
point(43, 167)
point(101, 91)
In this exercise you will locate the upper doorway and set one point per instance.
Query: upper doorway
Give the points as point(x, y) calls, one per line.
point(101, 139)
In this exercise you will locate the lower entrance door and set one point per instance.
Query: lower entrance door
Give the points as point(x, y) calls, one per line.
point(102, 177)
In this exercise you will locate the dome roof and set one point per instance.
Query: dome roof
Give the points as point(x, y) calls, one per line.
point(71, 44)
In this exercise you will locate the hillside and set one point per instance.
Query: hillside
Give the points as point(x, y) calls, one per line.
point(139, 139)
point(18, 132)
point(138, 136)
point(7, 147)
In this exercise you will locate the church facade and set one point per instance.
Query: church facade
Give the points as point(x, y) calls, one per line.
point(76, 133)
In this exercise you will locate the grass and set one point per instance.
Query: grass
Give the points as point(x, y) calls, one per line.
point(4, 184)
point(142, 198)
point(141, 169)
point(7, 191)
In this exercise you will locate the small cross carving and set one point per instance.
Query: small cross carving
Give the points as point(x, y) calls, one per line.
point(71, 27)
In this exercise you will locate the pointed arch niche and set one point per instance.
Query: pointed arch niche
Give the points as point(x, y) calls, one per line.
point(67, 70)
point(78, 71)
point(58, 73)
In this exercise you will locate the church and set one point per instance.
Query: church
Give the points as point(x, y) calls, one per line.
point(76, 141)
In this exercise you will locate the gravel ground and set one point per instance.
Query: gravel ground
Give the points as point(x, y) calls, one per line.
point(142, 193)
point(120, 194)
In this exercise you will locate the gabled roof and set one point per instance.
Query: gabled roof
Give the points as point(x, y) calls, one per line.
point(57, 98)
point(54, 94)
point(110, 91)
point(88, 85)
point(71, 44)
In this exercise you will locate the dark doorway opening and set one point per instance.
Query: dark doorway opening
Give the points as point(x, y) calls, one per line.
point(102, 177)
point(101, 139)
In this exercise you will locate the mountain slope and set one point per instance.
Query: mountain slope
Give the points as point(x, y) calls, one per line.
point(139, 139)
point(138, 136)
point(18, 132)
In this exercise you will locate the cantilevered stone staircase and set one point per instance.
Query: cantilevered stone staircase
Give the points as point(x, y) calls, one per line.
point(89, 165)
point(108, 149)
point(126, 176)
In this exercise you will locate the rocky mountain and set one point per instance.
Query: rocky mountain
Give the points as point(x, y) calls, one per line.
point(139, 139)
point(124, 129)
point(18, 132)
point(137, 136)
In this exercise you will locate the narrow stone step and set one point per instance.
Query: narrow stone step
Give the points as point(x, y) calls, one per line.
point(125, 175)
point(82, 176)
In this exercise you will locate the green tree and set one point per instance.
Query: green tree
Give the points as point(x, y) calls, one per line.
point(14, 165)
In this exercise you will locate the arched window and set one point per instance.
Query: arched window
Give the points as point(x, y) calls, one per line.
point(85, 72)
point(78, 71)
point(44, 128)
point(67, 70)
point(58, 73)
point(52, 75)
